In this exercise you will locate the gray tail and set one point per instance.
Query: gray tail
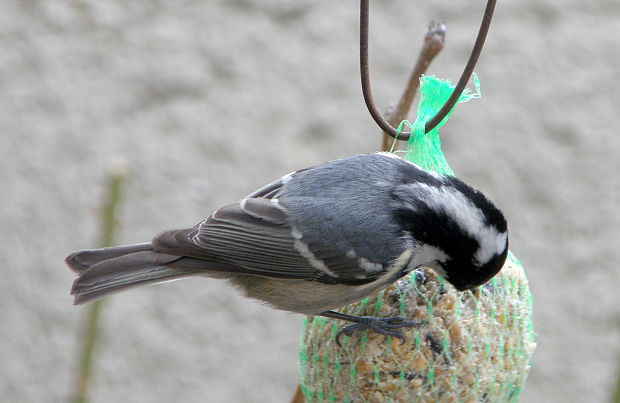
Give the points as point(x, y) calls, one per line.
point(109, 270)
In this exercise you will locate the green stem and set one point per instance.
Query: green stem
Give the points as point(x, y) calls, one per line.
point(616, 396)
point(91, 329)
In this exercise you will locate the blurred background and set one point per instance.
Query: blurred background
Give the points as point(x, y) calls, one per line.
point(206, 101)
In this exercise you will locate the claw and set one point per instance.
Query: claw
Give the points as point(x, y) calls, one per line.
point(385, 326)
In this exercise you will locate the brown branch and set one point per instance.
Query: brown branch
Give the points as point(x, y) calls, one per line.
point(433, 44)
point(299, 396)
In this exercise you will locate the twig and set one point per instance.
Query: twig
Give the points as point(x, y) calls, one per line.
point(299, 396)
point(91, 329)
point(616, 396)
point(433, 44)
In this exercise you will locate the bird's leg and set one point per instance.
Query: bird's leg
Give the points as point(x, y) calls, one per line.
point(386, 326)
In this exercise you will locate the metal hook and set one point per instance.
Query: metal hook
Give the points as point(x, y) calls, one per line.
point(458, 90)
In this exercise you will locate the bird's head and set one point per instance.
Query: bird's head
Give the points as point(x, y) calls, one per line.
point(455, 229)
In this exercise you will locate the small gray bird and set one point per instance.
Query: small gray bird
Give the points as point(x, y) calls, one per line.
point(320, 238)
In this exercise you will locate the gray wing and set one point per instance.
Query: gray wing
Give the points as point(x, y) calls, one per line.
point(256, 236)
point(272, 190)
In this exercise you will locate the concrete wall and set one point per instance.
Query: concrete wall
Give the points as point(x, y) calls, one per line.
point(208, 100)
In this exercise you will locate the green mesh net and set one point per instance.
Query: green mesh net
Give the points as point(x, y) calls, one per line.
point(473, 346)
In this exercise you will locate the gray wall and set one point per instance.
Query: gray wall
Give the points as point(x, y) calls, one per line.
point(208, 100)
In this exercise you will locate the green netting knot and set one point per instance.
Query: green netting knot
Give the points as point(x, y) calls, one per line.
point(424, 149)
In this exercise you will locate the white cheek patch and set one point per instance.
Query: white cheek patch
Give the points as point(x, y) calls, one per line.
point(425, 254)
point(467, 216)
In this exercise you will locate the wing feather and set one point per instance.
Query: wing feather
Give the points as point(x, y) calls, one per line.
point(255, 236)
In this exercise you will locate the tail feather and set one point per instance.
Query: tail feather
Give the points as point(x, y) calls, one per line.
point(82, 260)
point(106, 285)
point(109, 270)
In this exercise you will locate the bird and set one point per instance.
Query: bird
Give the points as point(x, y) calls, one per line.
point(320, 238)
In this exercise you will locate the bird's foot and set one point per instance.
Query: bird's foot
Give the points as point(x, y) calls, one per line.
point(385, 326)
